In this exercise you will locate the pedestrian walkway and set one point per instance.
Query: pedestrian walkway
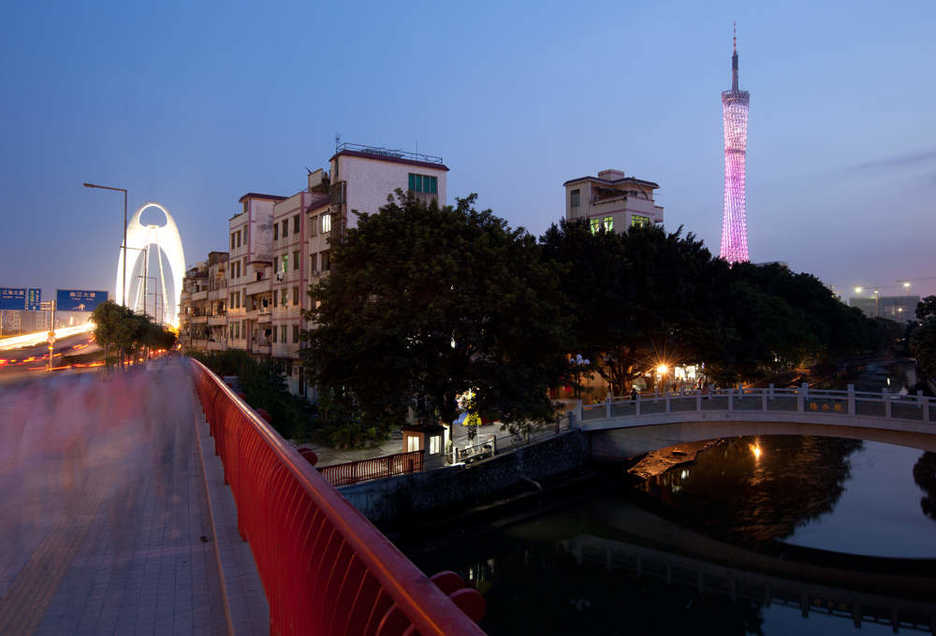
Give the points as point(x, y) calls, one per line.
point(106, 526)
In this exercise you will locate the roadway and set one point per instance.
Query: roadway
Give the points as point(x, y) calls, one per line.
point(32, 359)
point(105, 527)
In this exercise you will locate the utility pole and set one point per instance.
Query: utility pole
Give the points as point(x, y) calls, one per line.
point(51, 335)
point(123, 292)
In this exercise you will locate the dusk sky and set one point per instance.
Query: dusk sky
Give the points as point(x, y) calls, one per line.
point(192, 106)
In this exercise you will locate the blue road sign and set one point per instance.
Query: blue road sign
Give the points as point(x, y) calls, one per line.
point(12, 298)
point(33, 299)
point(78, 299)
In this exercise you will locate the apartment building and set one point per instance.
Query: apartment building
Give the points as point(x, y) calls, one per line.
point(217, 301)
point(612, 201)
point(363, 176)
point(193, 317)
point(254, 296)
point(250, 234)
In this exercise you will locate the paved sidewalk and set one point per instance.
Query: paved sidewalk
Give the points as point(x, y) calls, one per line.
point(106, 526)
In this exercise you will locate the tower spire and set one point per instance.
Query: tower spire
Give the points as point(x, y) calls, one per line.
point(734, 56)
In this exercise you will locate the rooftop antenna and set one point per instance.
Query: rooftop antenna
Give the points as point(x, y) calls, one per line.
point(337, 141)
point(734, 57)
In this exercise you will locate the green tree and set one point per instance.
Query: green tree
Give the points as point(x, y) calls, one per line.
point(923, 347)
point(424, 303)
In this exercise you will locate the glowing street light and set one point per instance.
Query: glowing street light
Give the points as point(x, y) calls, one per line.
point(859, 289)
point(906, 284)
point(662, 369)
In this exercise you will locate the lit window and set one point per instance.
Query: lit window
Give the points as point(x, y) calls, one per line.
point(412, 443)
point(326, 223)
point(435, 444)
point(285, 263)
point(608, 223)
point(595, 225)
point(638, 220)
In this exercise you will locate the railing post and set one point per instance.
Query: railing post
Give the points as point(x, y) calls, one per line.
point(851, 400)
point(926, 409)
point(580, 413)
point(801, 397)
point(764, 398)
point(887, 403)
point(698, 400)
point(771, 391)
point(637, 405)
point(608, 407)
point(730, 399)
point(668, 405)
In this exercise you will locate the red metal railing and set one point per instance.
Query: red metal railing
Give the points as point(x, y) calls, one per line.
point(325, 568)
point(374, 468)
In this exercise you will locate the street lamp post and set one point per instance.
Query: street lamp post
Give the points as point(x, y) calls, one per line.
point(123, 292)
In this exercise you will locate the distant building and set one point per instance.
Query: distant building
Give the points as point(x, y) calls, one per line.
point(899, 308)
point(612, 201)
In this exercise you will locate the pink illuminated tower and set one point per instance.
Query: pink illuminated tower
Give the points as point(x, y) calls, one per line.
point(734, 247)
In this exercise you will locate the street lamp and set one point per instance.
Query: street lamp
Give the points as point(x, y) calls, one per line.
point(859, 289)
point(123, 292)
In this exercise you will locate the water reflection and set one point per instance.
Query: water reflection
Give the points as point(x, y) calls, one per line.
point(756, 490)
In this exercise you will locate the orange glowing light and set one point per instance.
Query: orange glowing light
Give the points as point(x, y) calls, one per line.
point(756, 449)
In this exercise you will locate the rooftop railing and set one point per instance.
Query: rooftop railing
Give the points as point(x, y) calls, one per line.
point(391, 153)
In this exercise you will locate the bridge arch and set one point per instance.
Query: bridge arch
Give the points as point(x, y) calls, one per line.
point(141, 239)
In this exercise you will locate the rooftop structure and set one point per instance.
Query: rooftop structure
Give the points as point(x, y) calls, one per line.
point(612, 201)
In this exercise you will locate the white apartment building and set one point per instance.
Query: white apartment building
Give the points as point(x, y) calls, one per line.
point(363, 176)
point(612, 201)
point(217, 301)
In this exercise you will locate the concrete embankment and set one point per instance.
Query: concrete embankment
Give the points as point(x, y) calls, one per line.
point(389, 501)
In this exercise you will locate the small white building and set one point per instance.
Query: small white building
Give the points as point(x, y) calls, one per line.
point(612, 201)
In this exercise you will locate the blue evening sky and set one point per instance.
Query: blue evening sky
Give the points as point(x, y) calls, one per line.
point(194, 104)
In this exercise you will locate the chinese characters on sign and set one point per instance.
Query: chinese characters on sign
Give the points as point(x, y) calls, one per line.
point(79, 299)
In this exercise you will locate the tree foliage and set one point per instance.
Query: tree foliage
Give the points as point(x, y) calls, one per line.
point(121, 331)
point(424, 303)
point(923, 337)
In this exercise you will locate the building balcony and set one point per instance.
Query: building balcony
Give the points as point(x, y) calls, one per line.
point(258, 286)
point(261, 350)
point(198, 320)
point(216, 346)
point(217, 319)
point(218, 294)
point(264, 315)
point(199, 295)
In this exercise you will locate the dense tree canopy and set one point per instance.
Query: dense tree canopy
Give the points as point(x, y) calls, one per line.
point(121, 331)
point(923, 337)
point(427, 302)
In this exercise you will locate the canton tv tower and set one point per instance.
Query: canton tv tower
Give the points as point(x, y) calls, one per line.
point(734, 247)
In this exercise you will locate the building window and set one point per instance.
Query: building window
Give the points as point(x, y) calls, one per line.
point(285, 263)
point(295, 333)
point(435, 444)
point(595, 225)
point(275, 298)
point(295, 295)
point(423, 183)
point(312, 260)
point(296, 261)
point(326, 223)
point(238, 238)
point(232, 264)
point(285, 228)
point(232, 240)
point(276, 231)
point(274, 334)
point(326, 261)
point(283, 334)
point(313, 222)
point(284, 297)
point(638, 220)
point(608, 223)
point(575, 198)
point(296, 224)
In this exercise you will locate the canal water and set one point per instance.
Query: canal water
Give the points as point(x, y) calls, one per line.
point(692, 550)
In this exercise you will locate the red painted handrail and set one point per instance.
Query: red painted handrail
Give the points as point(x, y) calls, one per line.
point(373, 468)
point(325, 568)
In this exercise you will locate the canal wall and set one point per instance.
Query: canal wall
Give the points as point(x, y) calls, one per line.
point(387, 501)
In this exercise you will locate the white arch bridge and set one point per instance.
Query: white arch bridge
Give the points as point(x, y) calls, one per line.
point(622, 428)
point(143, 242)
